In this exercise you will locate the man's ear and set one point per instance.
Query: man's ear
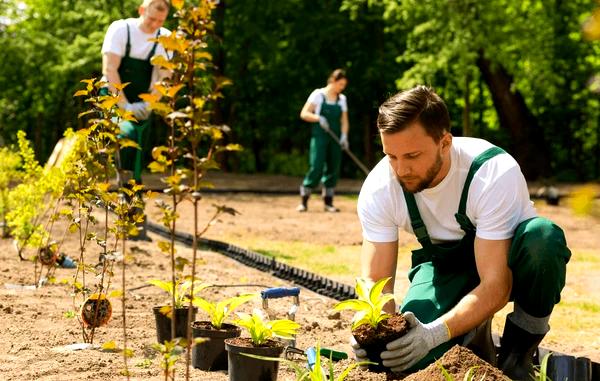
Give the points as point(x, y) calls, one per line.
point(446, 140)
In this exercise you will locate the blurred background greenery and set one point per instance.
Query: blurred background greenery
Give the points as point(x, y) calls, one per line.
point(518, 73)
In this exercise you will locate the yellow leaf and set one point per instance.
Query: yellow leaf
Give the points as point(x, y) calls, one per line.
point(163, 62)
point(161, 89)
point(80, 93)
point(126, 143)
point(178, 4)
point(109, 346)
point(205, 55)
point(103, 187)
point(109, 103)
point(150, 98)
point(115, 294)
point(173, 90)
point(156, 167)
point(121, 86)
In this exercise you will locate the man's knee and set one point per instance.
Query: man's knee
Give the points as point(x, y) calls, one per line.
point(541, 242)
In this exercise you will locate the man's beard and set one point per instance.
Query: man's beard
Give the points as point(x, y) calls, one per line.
point(425, 183)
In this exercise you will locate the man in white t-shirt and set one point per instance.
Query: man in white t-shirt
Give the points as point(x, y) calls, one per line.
point(482, 244)
point(126, 54)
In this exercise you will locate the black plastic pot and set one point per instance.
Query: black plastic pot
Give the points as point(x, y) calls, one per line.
point(373, 354)
point(244, 368)
point(163, 323)
point(211, 354)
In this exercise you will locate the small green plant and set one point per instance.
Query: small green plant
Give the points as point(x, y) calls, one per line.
point(179, 293)
point(541, 372)
point(219, 311)
point(369, 305)
point(262, 330)
point(469, 376)
point(170, 352)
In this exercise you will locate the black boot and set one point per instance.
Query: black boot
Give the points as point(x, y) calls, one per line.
point(328, 200)
point(517, 348)
point(303, 207)
point(482, 343)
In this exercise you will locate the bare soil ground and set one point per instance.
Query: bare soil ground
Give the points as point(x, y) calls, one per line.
point(34, 329)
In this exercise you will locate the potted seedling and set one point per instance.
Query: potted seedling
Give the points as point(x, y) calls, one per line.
point(371, 326)
point(210, 354)
point(260, 343)
point(163, 314)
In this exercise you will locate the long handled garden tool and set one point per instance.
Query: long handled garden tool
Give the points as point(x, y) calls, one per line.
point(352, 156)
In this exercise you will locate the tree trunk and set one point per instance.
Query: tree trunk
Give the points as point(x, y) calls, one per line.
point(527, 137)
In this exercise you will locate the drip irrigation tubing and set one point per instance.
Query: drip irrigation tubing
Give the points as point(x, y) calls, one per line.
point(309, 280)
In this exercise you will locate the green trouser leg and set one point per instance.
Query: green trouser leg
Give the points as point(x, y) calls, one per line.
point(317, 157)
point(331, 171)
point(132, 158)
point(538, 259)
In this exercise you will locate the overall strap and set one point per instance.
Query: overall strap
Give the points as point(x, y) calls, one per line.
point(128, 45)
point(461, 215)
point(416, 221)
point(153, 47)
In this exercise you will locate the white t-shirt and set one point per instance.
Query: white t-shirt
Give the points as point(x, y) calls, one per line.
point(115, 42)
point(317, 96)
point(498, 198)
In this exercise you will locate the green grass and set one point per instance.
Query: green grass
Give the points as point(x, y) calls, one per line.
point(321, 259)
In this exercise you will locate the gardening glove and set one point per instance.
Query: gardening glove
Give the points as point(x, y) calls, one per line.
point(406, 351)
point(323, 123)
point(139, 110)
point(344, 141)
point(359, 354)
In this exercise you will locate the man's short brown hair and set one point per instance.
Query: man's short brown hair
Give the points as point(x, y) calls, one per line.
point(419, 104)
point(159, 5)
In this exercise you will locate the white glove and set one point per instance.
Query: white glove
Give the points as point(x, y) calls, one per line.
point(406, 351)
point(359, 354)
point(323, 123)
point(344, 141)
point(139, 110)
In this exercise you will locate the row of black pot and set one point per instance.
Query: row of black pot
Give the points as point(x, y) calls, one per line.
point(223, 349)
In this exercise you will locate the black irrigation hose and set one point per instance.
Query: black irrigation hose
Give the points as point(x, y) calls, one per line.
point(314, 282)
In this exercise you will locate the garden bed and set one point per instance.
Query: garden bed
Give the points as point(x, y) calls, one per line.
point(36, 327)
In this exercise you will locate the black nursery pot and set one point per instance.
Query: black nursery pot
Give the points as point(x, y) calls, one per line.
point(244, 368)
point(211, 354)
point(374, 355)
point(163, 323)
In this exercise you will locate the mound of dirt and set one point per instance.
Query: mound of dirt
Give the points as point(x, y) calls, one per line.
point(457, 362)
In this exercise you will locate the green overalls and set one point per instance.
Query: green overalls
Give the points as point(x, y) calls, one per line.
point(139, 74)
point(325, 154)
point(441, 274)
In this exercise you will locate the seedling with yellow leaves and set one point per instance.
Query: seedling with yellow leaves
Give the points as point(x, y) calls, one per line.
point(261, 329)
point(220, 311)
point(370, 303)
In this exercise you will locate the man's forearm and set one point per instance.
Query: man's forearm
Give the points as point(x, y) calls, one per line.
point(475, 307)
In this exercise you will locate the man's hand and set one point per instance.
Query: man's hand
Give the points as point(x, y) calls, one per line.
point(359, 354)
point(344, 141)
point(406, 351)
point(323, 123)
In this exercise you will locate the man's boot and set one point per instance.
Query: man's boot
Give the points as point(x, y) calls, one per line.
point(328, 207)
point(481, 343)
point(517, 347)
point(303, 207)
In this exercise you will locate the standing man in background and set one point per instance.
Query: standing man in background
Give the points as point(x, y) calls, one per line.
point(126, 54)
point(126, 57)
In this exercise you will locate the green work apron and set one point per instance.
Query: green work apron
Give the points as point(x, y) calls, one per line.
point(138, 72)
point(325, 154)
point(441, 274)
